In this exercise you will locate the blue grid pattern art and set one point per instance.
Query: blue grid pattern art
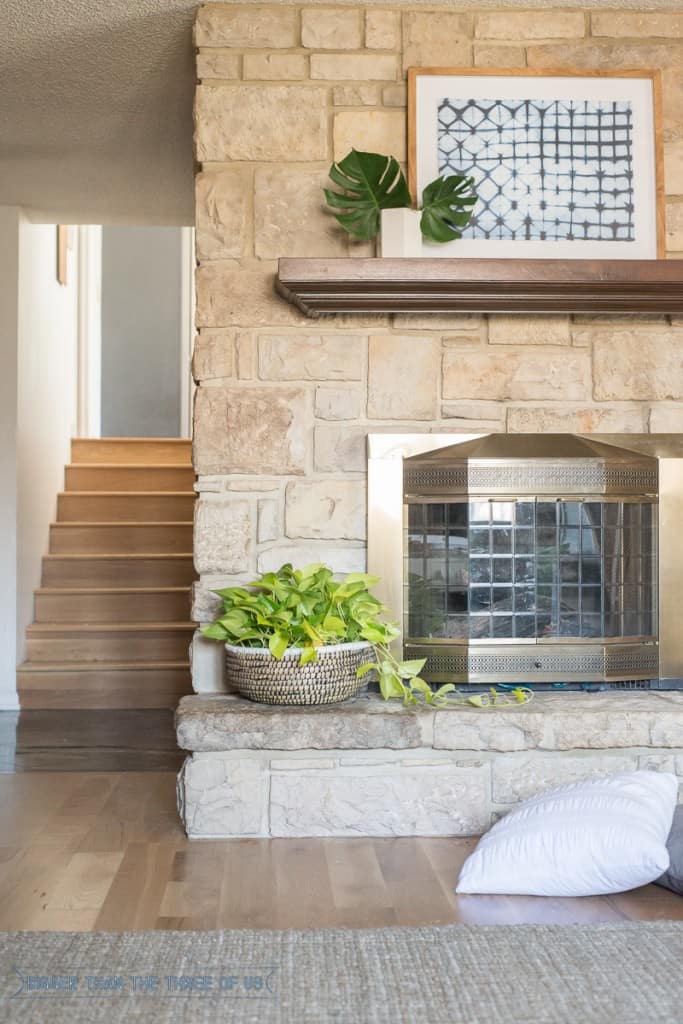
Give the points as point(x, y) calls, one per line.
point(544, 170)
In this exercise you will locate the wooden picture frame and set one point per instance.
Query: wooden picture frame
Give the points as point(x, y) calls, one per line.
point(653, 238)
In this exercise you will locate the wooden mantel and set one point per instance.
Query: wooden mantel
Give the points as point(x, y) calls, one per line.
point(318, 286)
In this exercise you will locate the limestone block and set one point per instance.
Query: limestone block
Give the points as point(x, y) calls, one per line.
point(205, 604)
point(290, 216)
point(517, 777)
point(222, 535)
point(674, 227)
point(246, 26)
point(219, 796)
point(221, 197)
point(207, 662)
point(462, 729)
point(657, 763)
point(395, 96)
point(665, 24)
point(403, 372)
point(435, 39)
point(355, 95)
point(382, 30)
point(331, 29)
point(517, 373)
point(667, 57)
point(353, 67)
point(217, 65)
point(214, 723)
point(230, 295)
point(250, 430)
point(326, 509)
point(260, 122)
point(382, 800)
point(638, 364)
point(213, 355)
point(536, 24)
point(548, 419)
point(246, 355)
point(275, 66)
point(311, 356)
point(337, 403)
point(267, 520)
point(341, 448)
point(472, 339)
point(373, 131)
point(667, 730)
point(342, 558)
point(493, 55)
point(596, 729)
point(477, 411)
point(666, 419)
point(529, 330)
point(673, 167)
point(438, 321)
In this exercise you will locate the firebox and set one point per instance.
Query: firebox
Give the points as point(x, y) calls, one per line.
point(534, 559)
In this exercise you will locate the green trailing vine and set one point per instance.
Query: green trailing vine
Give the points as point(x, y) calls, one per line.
point(308, 609)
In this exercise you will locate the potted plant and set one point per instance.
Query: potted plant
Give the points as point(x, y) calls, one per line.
point(376, 198)
point(298, 636)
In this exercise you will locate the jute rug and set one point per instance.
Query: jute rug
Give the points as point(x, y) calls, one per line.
point(460, 974)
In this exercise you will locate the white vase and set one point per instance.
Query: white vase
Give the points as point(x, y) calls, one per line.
point(400, 234)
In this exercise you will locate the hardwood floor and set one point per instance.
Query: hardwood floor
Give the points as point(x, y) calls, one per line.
point(104, 851)
point(89, 740)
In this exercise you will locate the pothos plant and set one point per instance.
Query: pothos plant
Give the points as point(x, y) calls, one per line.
point(308, 609)
point(372, 183)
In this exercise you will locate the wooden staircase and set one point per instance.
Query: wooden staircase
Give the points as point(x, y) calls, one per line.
point(112, 625)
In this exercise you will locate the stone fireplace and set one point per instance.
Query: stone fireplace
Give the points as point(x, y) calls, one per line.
point(285, 405)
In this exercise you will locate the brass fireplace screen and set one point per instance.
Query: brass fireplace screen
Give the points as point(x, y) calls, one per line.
point(540, 558)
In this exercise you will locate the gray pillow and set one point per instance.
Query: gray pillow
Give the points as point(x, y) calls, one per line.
point(673, 878)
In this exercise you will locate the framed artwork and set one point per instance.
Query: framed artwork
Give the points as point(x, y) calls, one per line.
point(566, 166)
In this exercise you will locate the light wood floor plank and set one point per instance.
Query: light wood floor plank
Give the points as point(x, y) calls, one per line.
point(84, 851)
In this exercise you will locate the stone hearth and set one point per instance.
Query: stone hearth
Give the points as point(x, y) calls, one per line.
point(370, 768)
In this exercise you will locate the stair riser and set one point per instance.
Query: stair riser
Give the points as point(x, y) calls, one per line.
point(120, 572)
point(152, 539)
point(128, 508)
point(128, 478)
point(89, 608)
point(103, 688)
point(166, 646)
point(124, 451)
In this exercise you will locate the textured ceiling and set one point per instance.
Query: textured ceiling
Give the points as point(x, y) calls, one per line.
point(96, 105)
point(96, 109)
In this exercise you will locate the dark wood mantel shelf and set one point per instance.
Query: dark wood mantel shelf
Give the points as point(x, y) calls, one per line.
point(318, 286)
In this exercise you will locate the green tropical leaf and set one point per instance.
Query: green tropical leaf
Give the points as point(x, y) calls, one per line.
point(277, 644)
point(371, 183)
point(447, 207)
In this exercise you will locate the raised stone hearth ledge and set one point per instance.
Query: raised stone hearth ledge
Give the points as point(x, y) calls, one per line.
point(366, 768)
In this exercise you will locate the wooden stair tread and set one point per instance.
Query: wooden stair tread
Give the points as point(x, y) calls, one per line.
point(67, 591)
point(101, 666)
point(121, 522)
point(116, 555)
point(110, 627)
point(126, 465)
point(126, 494)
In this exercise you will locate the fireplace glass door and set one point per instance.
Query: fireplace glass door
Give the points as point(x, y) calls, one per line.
point(530, 570)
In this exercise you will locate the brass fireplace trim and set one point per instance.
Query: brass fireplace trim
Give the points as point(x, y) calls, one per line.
point(385, 523)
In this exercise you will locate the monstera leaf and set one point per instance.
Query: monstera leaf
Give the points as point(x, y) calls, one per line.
point(446, 207)
point(371, 183)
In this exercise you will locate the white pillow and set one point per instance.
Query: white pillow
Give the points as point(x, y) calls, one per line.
point(593, 837)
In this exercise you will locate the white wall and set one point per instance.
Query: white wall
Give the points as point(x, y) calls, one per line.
point(9, 294)
point(141, 331)
point(46, 400)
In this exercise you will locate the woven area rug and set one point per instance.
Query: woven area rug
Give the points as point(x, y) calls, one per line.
point(460, 974)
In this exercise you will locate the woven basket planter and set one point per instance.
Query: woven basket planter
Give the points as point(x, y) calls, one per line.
point(256, 674)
